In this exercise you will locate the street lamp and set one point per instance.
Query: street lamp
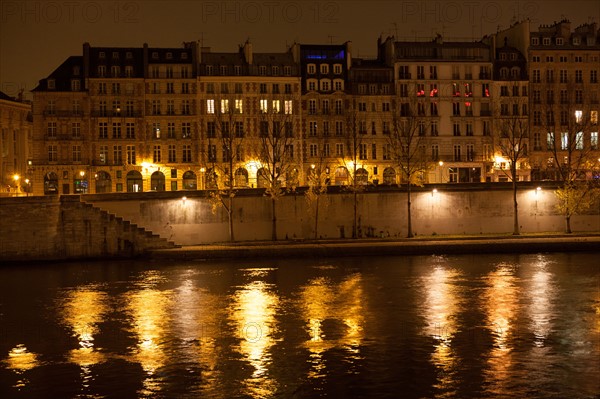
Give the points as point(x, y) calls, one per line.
point(27, 186)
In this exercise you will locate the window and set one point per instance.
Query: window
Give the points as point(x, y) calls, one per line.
point(311, 69)
point(51, 129)
point(76, 129)
point(312, 126)
point(76, 153)
point(262, 70)
point(187, 153)
point(337, 69)
point(52, 153)
point(130, 130)
point(313, 150)
point(563, 76)
point(550, 140)
point(339, 149)
point(116, 130)
point(287, 107)
point(185, 107)
point(362, 151)
point(312, 107)
point(469, 127)
point(103, 130)
point(156, 154)
point(130, 150)
point(276, 104)
point(435, 152)
point(172, 154)
point(210, 106)
point(456, 129)
point(117, 155)
point(263, 88)
point(75, 85)
point(103, 154)
point(171, 130)
point(420, 72)
point(594, 140)
point(457, 153)
point(434, 129)
point(559, 41)
point(170, 107)
point(536, 76)
point(546, 41)
point(578, 76)
point(470, 152)
point(324, 68)
point(186, 130)
point(338, 107)
point(325, 107)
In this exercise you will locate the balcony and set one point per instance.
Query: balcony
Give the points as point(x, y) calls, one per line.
point(63, 114)
point(116, 114)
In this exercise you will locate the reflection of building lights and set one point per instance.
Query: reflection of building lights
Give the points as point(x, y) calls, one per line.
point(537, 190)
point(183, 199)
point(433, 192)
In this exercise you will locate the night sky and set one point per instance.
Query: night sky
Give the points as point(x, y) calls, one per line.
point(37, 36)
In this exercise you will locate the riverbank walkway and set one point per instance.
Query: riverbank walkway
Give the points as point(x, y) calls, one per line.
point(430, 245)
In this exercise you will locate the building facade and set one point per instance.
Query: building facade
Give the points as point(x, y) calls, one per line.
point(15, 135)
point(140, 119)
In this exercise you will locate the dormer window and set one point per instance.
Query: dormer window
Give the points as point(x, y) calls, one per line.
point(287, 70)
point(51, 84)
point(115, 55)
point(337, 69)
point(275, 70)
point(223, 69)
point(155, 55)
point(546, 41)
point(76, 70)
point(503, 57)
point(101, 54)
point(209, 70)
point(590, 40)
point(535, 41)
point(559, 41)
point(513, 57)
point(576, 41)
point(184, 56)
point(324, 68)
point(75, 85)
point(101, 71)
point(129, 55)
point(169, 55)
point(262, 70)
point(311, 69)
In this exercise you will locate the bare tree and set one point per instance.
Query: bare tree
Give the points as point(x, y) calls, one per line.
point(510, 141)
point(275, 152)
point(317, 180)
point(567, 124)
point(226, 131)
point(407, 143)
point(355, 151)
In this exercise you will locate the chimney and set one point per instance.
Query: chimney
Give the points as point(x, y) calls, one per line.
point(248, 52)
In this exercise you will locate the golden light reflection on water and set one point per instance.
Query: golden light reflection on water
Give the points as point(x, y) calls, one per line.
point(540, 310)
point(321, 300)
point(82, 311)
point(442, 303)
point(197, 317)
point(501, 307)
point(150, 311)
point(253, 313)
point(20, 360)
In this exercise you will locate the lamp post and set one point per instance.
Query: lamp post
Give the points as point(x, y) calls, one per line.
point(27, 181)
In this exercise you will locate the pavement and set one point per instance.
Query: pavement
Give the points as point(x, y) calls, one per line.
point(432, 245)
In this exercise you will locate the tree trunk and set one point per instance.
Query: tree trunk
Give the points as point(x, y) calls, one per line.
point(516, 231)
point(274, 221)
point(230, 215)
point(354, 223)
point(408, 203)
point(317, 218)
point(568, 223)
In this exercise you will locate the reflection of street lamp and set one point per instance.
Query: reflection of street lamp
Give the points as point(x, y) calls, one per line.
point(202, 183)
point(27, 186)
point(16, 178)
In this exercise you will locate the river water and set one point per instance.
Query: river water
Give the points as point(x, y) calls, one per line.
point(475, 326)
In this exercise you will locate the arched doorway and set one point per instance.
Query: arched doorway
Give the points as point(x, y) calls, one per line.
point(50, 183)
point(389, 176)
point(241, 177)
point(361, 176)
point(341, 176)
point(189, 181)
point(262, 178)
point(157, 181)
point(212, 179)
point(134, 181)
point(103, 182)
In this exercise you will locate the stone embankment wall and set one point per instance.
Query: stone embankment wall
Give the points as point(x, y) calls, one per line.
point(459, 209)
point(47, 228)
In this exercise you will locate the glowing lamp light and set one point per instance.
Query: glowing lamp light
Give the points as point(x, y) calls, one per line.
point(16, 177)
point(81, 173)
point(183, 199)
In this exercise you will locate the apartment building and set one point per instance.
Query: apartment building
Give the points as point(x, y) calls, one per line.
point(15, 135)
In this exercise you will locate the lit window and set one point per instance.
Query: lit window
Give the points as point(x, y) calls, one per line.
point(578, 116)
point(264, 107)
point(288, 107)
point(224, 106)
point(238, 106)
point(276, 106)
point(210, 106)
